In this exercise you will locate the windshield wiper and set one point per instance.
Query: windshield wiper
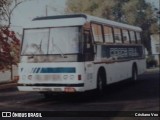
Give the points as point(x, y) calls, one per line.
point(58, 49)
point(40, 46)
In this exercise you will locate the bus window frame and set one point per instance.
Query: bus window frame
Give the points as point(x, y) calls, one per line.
point(122, 36)
point(129, 36)
point(135, 37)
point(114, 41)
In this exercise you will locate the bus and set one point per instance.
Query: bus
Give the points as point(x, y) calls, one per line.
point(77, 53)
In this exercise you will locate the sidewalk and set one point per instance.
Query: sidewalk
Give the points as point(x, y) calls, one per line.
point(153, 69)
point(7, 85)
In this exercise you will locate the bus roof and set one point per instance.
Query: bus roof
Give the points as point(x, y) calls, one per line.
point(75, 20)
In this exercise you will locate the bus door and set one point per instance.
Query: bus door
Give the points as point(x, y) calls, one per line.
point(88, 58)
point(88, 46)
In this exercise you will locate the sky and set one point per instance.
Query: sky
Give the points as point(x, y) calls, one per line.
point(156, 3)
point(30, 9)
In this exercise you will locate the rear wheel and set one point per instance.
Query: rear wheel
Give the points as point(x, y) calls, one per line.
point(134, 74)
point(100, 84)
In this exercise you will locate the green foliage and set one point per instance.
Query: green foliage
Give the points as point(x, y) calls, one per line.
point(151, 61)
point(134, 12)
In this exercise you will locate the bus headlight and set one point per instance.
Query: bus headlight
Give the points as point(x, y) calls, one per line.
point(23, 77)
point(65, 77)
point(30, 77)
point(71, 77)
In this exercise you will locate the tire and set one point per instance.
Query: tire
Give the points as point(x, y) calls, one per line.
point(134, 74)
point(100, 84)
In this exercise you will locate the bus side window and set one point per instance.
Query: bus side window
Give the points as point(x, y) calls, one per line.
point(117, 35)
point(125, 36)
point(97, 33)
point(108, 34)
point(132, 35)
point(138, 36)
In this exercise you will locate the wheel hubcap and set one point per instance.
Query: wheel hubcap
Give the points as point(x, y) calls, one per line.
point(135, 76)
point(100, 84)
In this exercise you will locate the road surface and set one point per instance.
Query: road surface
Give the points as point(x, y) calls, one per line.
point(143, 95)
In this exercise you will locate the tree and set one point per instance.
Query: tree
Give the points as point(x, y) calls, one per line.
point(134, 12)
point(9, 43)
point(9, 48)
point(7, 7)
point(140, 13)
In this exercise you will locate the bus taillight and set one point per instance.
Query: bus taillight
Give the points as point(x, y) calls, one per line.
point(16, 78)
point(79, 77)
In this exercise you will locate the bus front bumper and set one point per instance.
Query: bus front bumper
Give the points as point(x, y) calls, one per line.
point(78, 87)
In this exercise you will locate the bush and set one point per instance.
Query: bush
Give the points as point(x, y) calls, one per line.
point(151, 62)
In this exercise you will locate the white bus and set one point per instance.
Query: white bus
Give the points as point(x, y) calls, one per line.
point(77, 53)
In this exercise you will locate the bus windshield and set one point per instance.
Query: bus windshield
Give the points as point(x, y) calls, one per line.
point(64, 40)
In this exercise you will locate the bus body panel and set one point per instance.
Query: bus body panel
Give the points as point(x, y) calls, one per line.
point(60, 74)
point(118, 71)
point(56, 23)
point(56, 74)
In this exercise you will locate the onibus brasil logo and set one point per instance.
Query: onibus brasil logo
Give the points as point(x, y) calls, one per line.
point(21, 114)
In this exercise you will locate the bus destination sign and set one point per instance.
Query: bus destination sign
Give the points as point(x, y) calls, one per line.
point(122, 52)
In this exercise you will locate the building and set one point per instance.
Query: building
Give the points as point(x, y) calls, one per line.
point(155, 47)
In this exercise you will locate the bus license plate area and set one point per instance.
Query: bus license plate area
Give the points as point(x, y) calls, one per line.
point(48, 89)
point(47, 77)
point(57, 89)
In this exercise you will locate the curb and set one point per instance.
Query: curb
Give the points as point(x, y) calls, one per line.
point(153, 69)
point(8, 85)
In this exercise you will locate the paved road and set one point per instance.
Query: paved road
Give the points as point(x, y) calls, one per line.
point(125, 96)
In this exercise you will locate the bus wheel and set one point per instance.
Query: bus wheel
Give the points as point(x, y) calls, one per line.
point(100, 84)
point(134, 74)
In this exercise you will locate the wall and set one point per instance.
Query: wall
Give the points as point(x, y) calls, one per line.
point(5, 76)
point(155, 42)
